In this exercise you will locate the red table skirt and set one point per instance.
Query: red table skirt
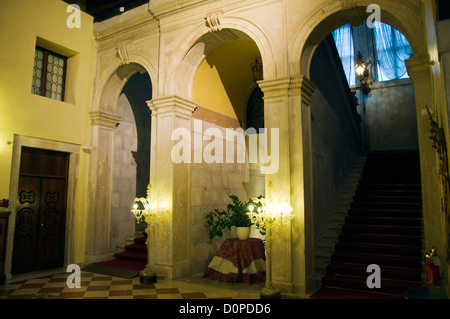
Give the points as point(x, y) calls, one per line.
point(239, 261)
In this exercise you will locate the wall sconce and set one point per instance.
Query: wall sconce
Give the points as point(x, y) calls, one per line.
point(149, 210)
point(362, 74)
point(257, 70)
point(271, 213)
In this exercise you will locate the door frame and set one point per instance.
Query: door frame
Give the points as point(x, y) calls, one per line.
point(74, 157)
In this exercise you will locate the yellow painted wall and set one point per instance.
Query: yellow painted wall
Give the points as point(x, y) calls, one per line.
point(224, 78)
point(26, 114)
point(23, 113)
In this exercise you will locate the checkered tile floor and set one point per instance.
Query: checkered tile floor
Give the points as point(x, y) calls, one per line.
point(98, 286)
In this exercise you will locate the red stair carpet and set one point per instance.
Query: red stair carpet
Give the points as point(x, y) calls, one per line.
point(383, 227)
point(133, 258)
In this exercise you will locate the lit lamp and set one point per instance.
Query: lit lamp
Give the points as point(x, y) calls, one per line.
point(148, 209)
point(361, 73)
point(360, 66)
point(270, 214)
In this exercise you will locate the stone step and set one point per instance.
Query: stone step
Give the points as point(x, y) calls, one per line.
point(128, 241)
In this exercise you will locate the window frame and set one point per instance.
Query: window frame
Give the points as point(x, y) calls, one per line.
point(44, 72)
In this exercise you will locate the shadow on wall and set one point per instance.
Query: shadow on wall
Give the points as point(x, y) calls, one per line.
point(336, 135)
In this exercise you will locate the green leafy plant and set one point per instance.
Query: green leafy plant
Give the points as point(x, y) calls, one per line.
point(234, 215)
point(238, 210)
point(218, 220)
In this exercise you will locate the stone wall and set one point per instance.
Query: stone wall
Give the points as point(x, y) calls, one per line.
point(124, 175)
point(208, 183)
point(390, 116)
point(335, 134)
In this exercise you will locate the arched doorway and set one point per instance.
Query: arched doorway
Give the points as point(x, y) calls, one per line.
point(187, 104)
point(107, 206)
point(398, 18)
point(132, 156)
point(221, 87)
point(387, 102)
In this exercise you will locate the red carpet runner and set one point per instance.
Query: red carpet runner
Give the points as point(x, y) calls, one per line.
point(383, 227)
point(133, 258)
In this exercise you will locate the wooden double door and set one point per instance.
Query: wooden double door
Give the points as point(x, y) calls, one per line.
point(39, 237)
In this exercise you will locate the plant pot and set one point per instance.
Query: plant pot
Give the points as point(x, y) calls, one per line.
point(243, 233)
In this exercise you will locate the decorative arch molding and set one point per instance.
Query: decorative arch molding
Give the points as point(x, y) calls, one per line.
point(321, 22)
point(217, 28)
point(127, 62)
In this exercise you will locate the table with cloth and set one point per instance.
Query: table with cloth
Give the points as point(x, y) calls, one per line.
point(239, 261)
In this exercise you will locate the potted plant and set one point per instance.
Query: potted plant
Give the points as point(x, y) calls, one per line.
point(234, 215)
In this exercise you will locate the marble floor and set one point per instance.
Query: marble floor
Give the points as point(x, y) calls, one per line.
point(53, 285)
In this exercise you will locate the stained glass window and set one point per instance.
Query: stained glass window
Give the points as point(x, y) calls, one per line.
point(49, 74)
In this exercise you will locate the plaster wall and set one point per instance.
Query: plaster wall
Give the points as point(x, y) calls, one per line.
point(224, 78)
point(49, 123)
point(390, 117)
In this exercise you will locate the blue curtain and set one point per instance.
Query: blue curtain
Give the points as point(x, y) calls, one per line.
point(392, 50)
point(344, 43)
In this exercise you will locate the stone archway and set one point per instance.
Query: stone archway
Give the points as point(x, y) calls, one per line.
point(203, 39)
point(131, 156)
point(403, 17)
point(173, 251)
point(323, 21)
point(104, 122)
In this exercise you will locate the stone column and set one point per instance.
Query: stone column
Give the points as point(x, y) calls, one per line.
point(287, 108)
point(420, 72)
point(98, 223)
point(443, 28)
point(169, 249)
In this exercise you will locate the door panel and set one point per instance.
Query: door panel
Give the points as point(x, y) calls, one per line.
point(27, 219)
point(39, 236)
point(51, 231)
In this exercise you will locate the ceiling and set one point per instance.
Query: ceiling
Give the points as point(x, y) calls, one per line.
point(105, 9)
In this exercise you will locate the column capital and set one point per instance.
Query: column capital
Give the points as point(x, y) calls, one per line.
point(172, 104)
point(104, 119)
point(275, 88)
point(298, 85)
point(301, 85)
point(419, 67)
